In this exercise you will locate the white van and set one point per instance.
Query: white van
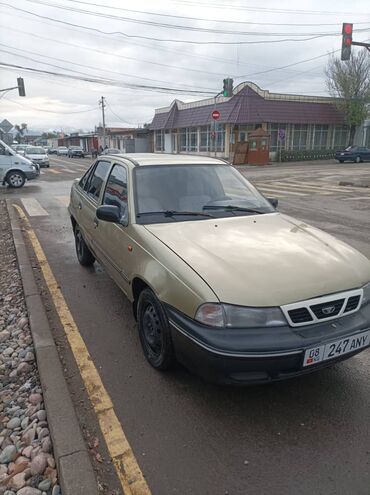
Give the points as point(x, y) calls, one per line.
point(15, 169)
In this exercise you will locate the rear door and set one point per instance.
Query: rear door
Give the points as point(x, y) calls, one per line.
point(87, 199)
point(112, 240)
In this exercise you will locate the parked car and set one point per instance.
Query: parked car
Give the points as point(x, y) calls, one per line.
point(355, 154)
point(52, 151)
point(15, 169)
point(76, 151)
point(62, 151)
point(37, 154)
point(111, 151)
point(218, 279)
point(20, 148)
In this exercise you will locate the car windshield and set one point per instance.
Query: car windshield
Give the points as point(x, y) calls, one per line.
point(35, 151)
point(62, 148)
point(75, 148)
point(351, 148)
point(187, 192)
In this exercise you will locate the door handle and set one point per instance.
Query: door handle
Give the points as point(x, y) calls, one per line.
point(96, 223)
point(79, 206)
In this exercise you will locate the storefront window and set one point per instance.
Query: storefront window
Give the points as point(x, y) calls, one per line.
point(220, 137)
point(189, 139)
point(273, 130)
point(320, 136)
point(299, 136)
point(244, 130)
point(204, 144)
point(159, 141)
point(340, 136)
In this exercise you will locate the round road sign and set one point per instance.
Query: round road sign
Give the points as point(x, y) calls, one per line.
point(216, 115)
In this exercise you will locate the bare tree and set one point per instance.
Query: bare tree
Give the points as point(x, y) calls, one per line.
point(350, 82)
point(21, 129)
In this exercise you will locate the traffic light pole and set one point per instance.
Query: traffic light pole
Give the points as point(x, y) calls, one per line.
point(8, 89)
point(214, 125)
point(359, 43)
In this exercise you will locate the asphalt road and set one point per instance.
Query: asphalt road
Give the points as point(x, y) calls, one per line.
point(309, 435)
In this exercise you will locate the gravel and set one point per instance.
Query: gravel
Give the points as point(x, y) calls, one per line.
point(27, 465)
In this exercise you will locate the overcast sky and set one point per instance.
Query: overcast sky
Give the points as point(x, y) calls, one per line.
point(116, 60)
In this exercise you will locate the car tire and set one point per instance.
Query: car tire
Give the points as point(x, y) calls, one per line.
point(358, 159)
point(84, 255)
point(16, 179)
point(154, 331)
point(341, 161)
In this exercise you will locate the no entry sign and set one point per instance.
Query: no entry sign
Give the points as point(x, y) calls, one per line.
point(216, 115)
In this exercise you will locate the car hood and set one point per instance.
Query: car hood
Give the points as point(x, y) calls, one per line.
point(36, 157)
point(264, 260)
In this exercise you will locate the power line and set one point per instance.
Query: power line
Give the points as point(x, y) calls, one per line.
point(176, 26)
point(266, 9)
point(82, 65)
point(109, 82)
point(27, 107)
point(192, 42)
point(124, 57)
point(136, 43)
point(223, 21)
point(117, 116)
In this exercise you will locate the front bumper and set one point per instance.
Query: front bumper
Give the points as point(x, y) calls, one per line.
point(32, 174)
point(246, 356)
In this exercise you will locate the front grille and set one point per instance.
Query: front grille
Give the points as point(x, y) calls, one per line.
point(325, 310)
point(300, 315)
point(352, 303)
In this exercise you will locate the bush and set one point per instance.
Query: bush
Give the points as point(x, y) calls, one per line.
point(301, 155)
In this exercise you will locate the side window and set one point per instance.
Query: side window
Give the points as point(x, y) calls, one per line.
point(116, 189)
point(85, 178)
point(97, 179)
point(2, 150)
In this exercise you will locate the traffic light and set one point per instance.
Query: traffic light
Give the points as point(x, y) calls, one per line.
point(21, 90)
point(228, 87)
point(347, 30)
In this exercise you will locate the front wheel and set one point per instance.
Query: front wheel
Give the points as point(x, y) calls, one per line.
point(341, 161)
point(84, 255)
point(16, 179)
point(154, 331)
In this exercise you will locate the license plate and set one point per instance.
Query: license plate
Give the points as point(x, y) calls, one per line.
point(336, 348)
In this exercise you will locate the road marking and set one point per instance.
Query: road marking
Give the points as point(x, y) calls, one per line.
point(353, 198)
point(280, 190)
point(123, 458)
point(33, 207)
point(42, 172)
point(63, 199)
point(300, 187)
point(54, 171)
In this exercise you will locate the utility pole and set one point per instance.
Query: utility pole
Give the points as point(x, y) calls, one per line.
point(102, 103)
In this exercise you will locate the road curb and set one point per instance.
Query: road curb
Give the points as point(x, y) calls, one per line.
point(73, 462)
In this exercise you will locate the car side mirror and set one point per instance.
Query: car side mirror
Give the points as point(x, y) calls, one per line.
point(109, 213)
point(273, 201)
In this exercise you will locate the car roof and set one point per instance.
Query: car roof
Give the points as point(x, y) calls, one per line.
point(140, 159)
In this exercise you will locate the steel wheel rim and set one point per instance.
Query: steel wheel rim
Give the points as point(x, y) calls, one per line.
point(16, 180)
point(152, 331)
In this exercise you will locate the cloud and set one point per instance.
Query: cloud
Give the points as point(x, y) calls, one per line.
point(133, 61)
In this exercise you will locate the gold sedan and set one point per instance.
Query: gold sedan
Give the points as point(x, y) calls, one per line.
point(218, 279)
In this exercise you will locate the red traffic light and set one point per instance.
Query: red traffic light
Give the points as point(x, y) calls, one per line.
point(347, 28)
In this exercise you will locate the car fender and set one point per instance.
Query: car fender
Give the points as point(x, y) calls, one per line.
point(172, 280)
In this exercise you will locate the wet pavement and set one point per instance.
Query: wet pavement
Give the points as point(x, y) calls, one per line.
point(307, 435)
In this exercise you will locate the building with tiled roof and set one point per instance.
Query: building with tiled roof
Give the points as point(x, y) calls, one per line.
point(304, 122)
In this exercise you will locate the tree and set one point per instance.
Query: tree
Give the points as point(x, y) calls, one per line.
point(20, 131)
point(350, 82)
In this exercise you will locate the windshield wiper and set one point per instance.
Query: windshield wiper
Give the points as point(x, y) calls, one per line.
point(172, 213)
point(232, 208)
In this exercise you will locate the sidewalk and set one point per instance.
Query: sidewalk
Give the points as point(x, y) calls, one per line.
point(27, 464)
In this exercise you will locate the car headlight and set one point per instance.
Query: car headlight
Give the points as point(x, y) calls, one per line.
point(33, 167)
point(366, 296)
point(229, 316)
